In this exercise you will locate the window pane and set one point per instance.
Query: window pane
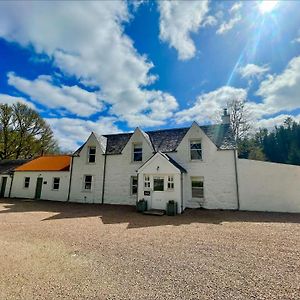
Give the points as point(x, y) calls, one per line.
point(92, 150)
point(197, 192)
point(134, 190)
point(196, 154)
point(196, 145)
point(158, 184)
point(137, 156)
point(92, 158)
point(197, 183)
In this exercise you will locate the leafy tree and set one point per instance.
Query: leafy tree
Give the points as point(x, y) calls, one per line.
point(281, 145)
point(23, 133)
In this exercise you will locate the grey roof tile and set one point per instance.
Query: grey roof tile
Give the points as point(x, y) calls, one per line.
point(8, 165)
point(167, 140)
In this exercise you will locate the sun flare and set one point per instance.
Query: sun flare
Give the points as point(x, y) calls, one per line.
point(266, 6)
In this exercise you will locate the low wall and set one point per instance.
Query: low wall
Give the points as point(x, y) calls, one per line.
point(266, 186)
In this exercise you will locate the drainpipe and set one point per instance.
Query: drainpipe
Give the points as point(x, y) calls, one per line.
point(236, 179)
point(104, 173)
point(181, 184)
point(70, 182)
point(11, 182)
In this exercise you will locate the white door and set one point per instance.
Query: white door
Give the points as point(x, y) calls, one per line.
point(158, 199)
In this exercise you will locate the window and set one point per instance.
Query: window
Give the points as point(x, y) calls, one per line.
point(88, 182)
point(137, 152)
point(158, 183)
point(26, 182)
point(196, 150)
point(55, 184)
point(92, 155)
point(197, 187)
point(134, 185)
point(170, 183)
point(147, 181)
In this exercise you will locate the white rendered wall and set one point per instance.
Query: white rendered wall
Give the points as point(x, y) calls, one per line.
point(216, 167)
point(8, 182)
point(120, 168)
point(82, 167)
point(18, 190)
point(266, 186)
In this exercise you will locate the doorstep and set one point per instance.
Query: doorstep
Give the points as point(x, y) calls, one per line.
point(154, 212)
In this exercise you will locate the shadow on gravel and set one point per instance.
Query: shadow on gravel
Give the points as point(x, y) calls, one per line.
point(118, 214)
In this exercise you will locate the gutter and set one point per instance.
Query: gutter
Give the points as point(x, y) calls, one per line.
point(70, 182)
point(181, 183)
point(236, 179)
point(104, 173)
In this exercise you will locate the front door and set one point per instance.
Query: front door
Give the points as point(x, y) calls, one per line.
point(38, 188)
point(3, 186)
point(158, 201)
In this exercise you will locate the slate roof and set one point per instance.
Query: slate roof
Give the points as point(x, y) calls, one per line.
point(9, 165)
point(175, 163)
point(167, 140)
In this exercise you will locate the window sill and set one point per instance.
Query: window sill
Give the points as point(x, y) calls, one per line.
point(86, 191)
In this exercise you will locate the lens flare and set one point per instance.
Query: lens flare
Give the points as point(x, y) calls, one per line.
point(266, 6)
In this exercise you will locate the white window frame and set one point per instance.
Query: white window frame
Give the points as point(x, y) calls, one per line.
point(147, 182)
point(85, 182)
point(159, 177)
point(24, 184)
point(200, 188)
point(195, 141)
point(137, 146)
point(91, 155)
point(53, 183)
point(133, 185)
point(170, 183)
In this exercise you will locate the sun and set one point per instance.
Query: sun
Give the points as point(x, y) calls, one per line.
point(266, 6)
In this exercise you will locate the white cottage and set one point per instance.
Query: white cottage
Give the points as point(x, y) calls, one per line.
point(46, 177)
point(195, 166)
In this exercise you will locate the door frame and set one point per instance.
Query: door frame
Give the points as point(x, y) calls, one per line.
point(3, 186)
point(38, 188)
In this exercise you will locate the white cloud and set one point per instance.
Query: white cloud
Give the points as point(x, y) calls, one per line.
point(73, 98)
point(251, 71)
point(270, 123)
point(178, 19)
point(208, 105)
point(8, 99)
point(71, 133)
point(235, 17)
point(227, 26)
point(86, 40)
point(282, 92)
point(236, 7)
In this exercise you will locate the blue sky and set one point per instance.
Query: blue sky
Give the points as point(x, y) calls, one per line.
point(113, 66)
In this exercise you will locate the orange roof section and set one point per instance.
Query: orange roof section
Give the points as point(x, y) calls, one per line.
point(47, 163)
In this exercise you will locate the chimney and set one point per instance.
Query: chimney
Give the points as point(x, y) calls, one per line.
point(225, 117)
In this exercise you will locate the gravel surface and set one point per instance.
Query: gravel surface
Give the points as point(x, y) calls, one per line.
point(51, 250)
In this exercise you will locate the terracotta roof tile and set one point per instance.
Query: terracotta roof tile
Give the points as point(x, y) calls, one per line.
point(47, 163)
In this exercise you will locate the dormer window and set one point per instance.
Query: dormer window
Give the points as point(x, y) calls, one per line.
point(92, 154)
point(196, 150)
point(137, 152)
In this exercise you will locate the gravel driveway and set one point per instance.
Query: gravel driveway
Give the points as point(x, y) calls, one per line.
point(51, 250)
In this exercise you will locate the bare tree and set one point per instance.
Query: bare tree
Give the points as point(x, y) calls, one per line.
point(240, 118)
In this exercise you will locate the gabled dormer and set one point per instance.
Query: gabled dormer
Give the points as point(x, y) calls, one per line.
point(139, 147)
point(90, 151)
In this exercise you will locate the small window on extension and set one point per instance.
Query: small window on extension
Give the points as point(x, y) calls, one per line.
point(55, 185)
